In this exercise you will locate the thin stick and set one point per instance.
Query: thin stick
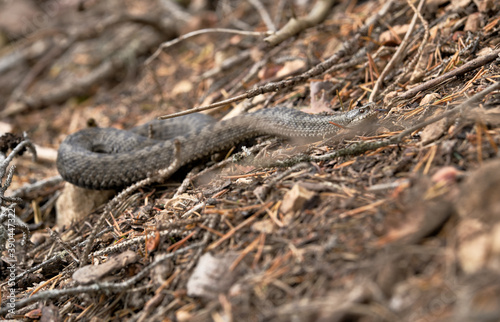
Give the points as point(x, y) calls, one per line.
point(294, 26)
point(263, 14)
point(204, 108)
point(315, 71)
point(473, 64)
point(396, 58)
point(99, 287)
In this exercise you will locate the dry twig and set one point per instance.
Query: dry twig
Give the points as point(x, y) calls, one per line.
point(398, 55)
point(294, 26)
point(289, 83)
point(467, 67)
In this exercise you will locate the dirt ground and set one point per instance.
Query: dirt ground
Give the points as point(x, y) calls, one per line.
point(396, 221)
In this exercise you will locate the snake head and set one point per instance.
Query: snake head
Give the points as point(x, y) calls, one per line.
point(361, 114)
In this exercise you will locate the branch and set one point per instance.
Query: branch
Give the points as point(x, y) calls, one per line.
point(473, 64)
point(294, 26)
point(396, 58)
point(302, 78)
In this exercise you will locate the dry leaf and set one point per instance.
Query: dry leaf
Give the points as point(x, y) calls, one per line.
point(211, 276)
point(388, 37)
point(265, 226)
point(433, 131)
point(153, 242)
point(320, 101)
point(429, 99)
point(17, 17)
point(75, 203)
point(487, 5)
point(295, 199)
point(473, 245)
point(460, 4)
point(291, 67)
point(50, 313)
point(5, 127)
point(34, 314)
point(473, 22)
point(182, 87)
point(421, 67)
point(447, 175)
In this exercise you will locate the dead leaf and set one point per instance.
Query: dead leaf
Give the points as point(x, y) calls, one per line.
point(50, 313)
point(472, 244)
point(460, 4)
point(489, 116)
point(269, 72)
point(295, 199)
point(417, 219)
point(291, 67)
point(153, 242)
point(265, 226)
point(5, 127)
point(421, 68)
point(473, 22)
point(34, 314)
point(487, 5)
point(211, 276)
point(75, 203)
point(18, 17)
point(479, 208)
point(393, 36)
point(182, 87)
point(320, 101)
point(447, 175)
point(46, 154)
point(433, 131)
point(429, 99)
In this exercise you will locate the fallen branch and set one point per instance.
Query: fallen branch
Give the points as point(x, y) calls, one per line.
point(398, 55)
point(473, 64)
point(294, 26)
point(100, 287)
point(291, 82)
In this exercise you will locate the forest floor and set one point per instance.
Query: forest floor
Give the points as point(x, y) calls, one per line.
point(397, 221)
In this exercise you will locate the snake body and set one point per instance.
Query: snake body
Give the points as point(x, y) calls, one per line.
point(107, 158)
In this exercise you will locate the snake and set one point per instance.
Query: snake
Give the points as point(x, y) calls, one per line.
point(108, 158)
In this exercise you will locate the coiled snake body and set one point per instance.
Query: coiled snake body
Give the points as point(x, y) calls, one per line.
point(107, 158)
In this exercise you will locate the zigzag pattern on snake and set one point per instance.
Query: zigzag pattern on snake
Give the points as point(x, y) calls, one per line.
point(107, 158)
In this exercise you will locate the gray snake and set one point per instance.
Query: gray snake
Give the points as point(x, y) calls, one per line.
point(107, 158)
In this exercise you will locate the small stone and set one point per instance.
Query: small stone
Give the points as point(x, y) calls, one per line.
point(75, 203)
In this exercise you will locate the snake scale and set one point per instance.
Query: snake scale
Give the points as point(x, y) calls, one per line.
point(107, 158)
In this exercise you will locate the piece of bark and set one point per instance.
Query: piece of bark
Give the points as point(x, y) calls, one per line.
point(94, 273)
